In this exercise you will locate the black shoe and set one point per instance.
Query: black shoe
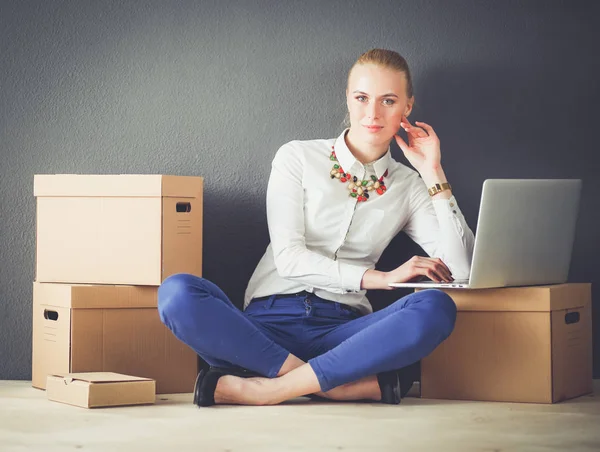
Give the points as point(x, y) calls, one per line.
point(408, 375)
point(406, 381)
point(389, 384)
point(206, 382)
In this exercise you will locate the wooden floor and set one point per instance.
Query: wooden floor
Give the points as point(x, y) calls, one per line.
point(30, 422)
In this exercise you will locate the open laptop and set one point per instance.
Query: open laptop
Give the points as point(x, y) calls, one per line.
point(524, 236)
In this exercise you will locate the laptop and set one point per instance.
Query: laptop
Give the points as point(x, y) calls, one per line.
point(525, 233)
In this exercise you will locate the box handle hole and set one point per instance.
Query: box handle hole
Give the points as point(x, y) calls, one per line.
point(571, 317)
point(183, 207)
point(50, 315)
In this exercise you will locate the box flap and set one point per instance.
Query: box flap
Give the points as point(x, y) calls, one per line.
point(95, 296)
point(116, 185)
point(98, 377)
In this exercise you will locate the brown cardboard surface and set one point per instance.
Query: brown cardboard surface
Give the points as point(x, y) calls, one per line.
point(532, 298)
point(95, 296)
point(117, 229)
point(127, 340)
point(571, 352)
point(514, 345)
point(107, 185)
point(181, 186)
point(87, 342)
point(181, 235)
point(51, 342)
point(99, 240)
point(484, 359)
point(99, 377)
point(102, 389)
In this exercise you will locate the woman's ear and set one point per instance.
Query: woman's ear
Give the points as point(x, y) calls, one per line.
point(409, 106)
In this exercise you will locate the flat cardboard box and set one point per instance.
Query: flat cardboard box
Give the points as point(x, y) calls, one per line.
point(516, 344)
point(91, 328)
point(117, 229)
point(100, 389)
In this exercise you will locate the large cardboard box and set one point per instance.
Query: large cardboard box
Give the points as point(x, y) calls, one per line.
point(117, 229)
point(518, 344)
point(100, 389)
point(91, 328)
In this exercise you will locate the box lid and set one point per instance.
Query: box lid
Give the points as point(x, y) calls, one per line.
point(99, 296)
point(117, 185)
point(98, 377)
point(532, 298)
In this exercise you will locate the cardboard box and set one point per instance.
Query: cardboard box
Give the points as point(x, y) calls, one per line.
point(117, 229)
point(100, 389)
point(518, 344)
point(88, 328)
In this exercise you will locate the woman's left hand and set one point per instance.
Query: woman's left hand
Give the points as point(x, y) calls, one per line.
point(423, 148)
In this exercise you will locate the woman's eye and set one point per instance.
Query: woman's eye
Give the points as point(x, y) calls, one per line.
point(388, 102)
point(361, 98)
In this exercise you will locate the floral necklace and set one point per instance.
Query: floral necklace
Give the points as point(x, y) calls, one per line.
point(358, 189)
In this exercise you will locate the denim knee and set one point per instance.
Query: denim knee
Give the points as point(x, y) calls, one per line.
point(172, 294)
point(445, 305)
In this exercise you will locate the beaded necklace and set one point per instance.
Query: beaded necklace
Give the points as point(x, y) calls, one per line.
point(358, 189)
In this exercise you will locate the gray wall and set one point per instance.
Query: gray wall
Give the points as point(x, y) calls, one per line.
point(213, 88)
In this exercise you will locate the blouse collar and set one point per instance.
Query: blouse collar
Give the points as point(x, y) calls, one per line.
point(347, 159)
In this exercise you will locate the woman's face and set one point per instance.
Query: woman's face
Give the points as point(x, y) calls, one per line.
point(377, 100)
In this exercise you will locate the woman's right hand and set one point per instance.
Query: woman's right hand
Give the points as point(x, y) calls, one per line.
point(412, 270)
point(417, 267)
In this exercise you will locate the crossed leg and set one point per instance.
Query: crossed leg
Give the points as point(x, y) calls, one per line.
point(198, 313)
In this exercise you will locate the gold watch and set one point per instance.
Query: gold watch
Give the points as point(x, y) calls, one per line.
point(437, 188)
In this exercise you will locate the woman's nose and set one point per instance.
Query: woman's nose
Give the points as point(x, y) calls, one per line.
point(372, 111)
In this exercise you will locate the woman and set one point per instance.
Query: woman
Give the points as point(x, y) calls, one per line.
point(332, 208)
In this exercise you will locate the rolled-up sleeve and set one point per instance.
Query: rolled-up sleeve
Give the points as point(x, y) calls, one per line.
point(440, 228)
point(285, 217)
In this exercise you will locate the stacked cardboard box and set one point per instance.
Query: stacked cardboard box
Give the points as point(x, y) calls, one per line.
point(515, 344)
point(104, 245)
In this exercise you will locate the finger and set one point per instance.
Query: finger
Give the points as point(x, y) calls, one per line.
point(430, 272)
point(436, 263)
point(435, 276)
point(439, 270)
point(444, 267)
point(445, 272)
point(427, 127)
point(416, 132)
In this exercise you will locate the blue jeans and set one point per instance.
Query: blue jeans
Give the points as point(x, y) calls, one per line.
point(340, 344)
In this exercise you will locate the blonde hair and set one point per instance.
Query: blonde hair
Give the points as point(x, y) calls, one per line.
point(387, 59)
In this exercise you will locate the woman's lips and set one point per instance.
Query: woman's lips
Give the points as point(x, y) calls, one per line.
point(373, 129)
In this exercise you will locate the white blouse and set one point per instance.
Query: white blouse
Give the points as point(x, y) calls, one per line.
point(323, 240)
